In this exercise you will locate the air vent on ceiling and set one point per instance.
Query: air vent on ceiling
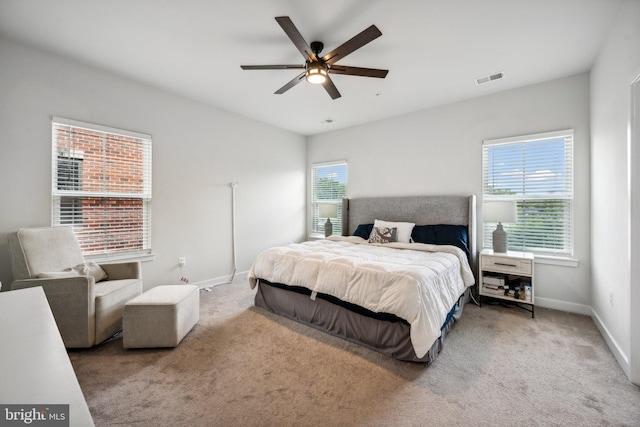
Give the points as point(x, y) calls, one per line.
point(490, 78)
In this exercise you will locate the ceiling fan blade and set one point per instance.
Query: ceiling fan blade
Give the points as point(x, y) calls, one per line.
point(354, 43)
point(357, 71)
point(287, 25)
point(331, 89)
point(271, 67)
point(291, 84)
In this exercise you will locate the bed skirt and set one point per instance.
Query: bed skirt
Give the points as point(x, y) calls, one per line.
point(384, 333)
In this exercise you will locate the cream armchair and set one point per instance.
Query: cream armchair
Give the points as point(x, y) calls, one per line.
point(87, 305)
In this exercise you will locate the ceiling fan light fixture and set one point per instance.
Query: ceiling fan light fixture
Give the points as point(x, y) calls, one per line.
point(316, 73)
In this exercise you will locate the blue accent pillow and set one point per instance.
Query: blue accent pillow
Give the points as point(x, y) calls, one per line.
point(442, 234)
point(364, 231)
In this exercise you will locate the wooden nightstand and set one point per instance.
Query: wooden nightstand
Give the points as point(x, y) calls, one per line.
point(507, 276)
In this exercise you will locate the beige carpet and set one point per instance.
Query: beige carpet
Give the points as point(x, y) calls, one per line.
point(243, 366)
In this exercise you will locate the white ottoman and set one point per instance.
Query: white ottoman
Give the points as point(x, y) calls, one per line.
point(160, 317)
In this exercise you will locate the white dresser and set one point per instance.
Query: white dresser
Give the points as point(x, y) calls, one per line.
point(34, 365)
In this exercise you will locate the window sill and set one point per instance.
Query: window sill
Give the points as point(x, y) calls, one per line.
point(556, 260)
point(122, 258)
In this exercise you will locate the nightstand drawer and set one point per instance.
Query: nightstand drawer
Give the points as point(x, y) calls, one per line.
point(507, 265)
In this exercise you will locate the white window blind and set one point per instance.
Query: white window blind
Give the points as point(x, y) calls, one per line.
point(536, 171)
point(328, 186)
point(101, 187)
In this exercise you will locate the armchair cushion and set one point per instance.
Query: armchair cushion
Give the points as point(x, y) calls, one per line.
point(39, 250)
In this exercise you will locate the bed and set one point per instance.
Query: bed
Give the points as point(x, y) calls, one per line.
point(398, 298)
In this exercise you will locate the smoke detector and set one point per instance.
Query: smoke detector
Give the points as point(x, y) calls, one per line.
point(490, 78)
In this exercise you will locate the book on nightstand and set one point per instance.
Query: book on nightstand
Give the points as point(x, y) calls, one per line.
point(492, 289)
point(493, 280)
point(493, 284)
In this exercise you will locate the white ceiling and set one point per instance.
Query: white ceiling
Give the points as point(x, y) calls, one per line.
point(434, 49)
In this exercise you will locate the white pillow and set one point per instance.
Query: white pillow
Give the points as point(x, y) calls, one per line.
point(404, 229)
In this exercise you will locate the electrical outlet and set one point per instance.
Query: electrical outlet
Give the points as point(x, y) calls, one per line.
point(182, 261)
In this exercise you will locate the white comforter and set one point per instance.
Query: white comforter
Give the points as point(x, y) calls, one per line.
point(416, 282)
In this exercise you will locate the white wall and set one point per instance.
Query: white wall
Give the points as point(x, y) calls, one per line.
point(197, 152)
point(617, 64)
point(439, 151)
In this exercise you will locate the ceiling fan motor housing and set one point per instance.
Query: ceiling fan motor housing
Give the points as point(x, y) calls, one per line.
point(316, 47)
point(317, 71)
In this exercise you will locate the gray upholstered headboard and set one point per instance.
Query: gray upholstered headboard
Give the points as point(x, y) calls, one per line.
point(421, 210)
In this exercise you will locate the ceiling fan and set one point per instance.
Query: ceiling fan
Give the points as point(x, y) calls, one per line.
point(317, 69)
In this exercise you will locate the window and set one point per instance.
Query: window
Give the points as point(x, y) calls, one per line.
point(102, 187)
point(328, 186)
point(537, 172)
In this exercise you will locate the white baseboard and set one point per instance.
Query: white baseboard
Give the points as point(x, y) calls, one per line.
point(221, 280)
point(569, 307)
point(623, 360)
